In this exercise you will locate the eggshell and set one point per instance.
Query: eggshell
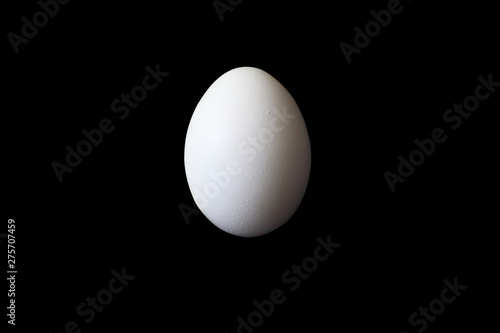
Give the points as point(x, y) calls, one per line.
point(247, 153)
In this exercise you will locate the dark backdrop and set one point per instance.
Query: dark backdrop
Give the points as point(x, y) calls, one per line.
point(119, 208)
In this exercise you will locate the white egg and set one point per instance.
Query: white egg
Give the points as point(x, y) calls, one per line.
point(247, 154)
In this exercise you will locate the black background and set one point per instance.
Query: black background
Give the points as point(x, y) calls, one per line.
point(120, 206)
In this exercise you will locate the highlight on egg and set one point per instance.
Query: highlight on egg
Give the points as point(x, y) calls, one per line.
point(247, 153)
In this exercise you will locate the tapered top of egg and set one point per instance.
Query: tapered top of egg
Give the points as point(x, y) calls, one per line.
point(247, 153)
